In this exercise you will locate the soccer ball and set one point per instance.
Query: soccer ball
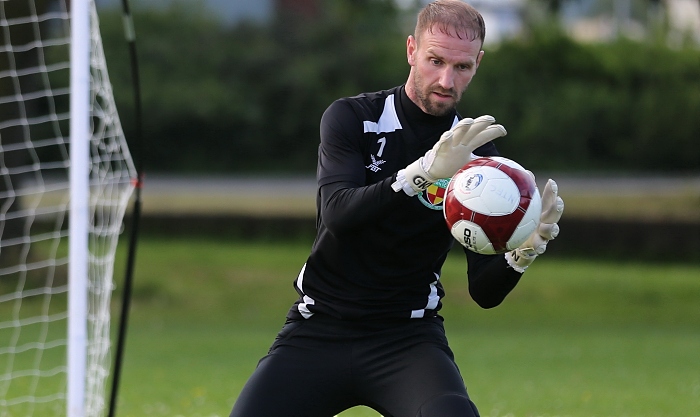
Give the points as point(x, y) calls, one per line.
point(492, 205)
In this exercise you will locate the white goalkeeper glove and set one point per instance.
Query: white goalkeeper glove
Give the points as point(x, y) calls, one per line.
point(450, 153)
point(552, 209)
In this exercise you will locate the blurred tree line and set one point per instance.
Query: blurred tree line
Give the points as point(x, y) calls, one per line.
point(248, 98)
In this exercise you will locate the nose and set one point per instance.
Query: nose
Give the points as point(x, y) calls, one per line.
point(447, 78)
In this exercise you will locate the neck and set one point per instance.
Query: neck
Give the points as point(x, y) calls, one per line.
point(417, 115)
point(411, 92)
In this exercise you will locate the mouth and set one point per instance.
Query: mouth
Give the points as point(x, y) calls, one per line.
point(443, 95)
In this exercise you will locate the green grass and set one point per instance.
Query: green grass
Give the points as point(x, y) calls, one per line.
point(575, 338)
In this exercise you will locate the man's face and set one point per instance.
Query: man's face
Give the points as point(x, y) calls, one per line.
point(442, 66)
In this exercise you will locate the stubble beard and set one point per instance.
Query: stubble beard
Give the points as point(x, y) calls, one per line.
point(427, 105)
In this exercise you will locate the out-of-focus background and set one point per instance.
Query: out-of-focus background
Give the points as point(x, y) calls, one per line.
point(239, 87)
point(602, 95)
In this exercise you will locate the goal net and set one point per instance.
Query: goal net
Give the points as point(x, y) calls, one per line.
point(66, 177)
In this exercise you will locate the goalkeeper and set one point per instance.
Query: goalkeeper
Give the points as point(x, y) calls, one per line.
point(366, 328)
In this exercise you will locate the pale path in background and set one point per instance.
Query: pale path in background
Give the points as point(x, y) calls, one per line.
point(672, 198)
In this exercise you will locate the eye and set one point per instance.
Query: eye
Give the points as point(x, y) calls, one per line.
point(435, 61)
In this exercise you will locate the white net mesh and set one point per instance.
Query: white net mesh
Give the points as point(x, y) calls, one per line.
point(34, 202)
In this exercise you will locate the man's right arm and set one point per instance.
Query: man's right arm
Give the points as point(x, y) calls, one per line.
point(345, 206)
point(345, 200)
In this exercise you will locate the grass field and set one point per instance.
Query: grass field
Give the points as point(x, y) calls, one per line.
point(575, 338)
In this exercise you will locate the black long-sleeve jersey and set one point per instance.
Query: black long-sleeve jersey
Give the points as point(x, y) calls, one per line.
point(379, 253)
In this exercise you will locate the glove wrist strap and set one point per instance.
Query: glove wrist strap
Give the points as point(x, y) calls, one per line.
point(413, 179)
point(519, 260)
point(402, 184)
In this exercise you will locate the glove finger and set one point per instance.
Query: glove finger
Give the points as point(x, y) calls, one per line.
point(550, 192)
point(482, 122)
point(462, 128)
point(485, 136)
point(467, 121)
point(535, 243)
point(541, 248)
point(553, 212)
point(445, 137)
point(539, 244)
point(548, 231)
point(464, 136)
point(485, 118)
point(552, 204)
point(445, 142)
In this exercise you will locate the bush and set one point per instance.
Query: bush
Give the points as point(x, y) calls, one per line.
point(617, 106)
point(249, 97)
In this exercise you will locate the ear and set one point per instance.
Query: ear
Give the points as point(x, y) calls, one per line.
point(478, 58)
point(411, 48)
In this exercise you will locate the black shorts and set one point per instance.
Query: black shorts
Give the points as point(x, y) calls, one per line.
point(321, 366)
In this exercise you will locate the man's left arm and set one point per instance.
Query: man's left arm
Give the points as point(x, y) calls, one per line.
point(490, 278)
point(493, 277)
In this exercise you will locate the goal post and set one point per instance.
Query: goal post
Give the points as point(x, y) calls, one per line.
point(66, 178)
point(78, 210)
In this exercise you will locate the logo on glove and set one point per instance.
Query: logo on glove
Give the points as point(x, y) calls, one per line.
point(434, 194)
point(421, 182)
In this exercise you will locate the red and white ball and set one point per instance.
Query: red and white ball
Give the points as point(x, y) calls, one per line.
point(492, 205)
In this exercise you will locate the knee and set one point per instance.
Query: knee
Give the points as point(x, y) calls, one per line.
point(449, 405)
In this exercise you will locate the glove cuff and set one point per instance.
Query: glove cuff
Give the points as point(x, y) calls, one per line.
point(413, 179)
point(402, 184)
point(519, 260)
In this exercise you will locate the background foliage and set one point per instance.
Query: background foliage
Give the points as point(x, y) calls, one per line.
point(623, 105)
point(248, 97)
